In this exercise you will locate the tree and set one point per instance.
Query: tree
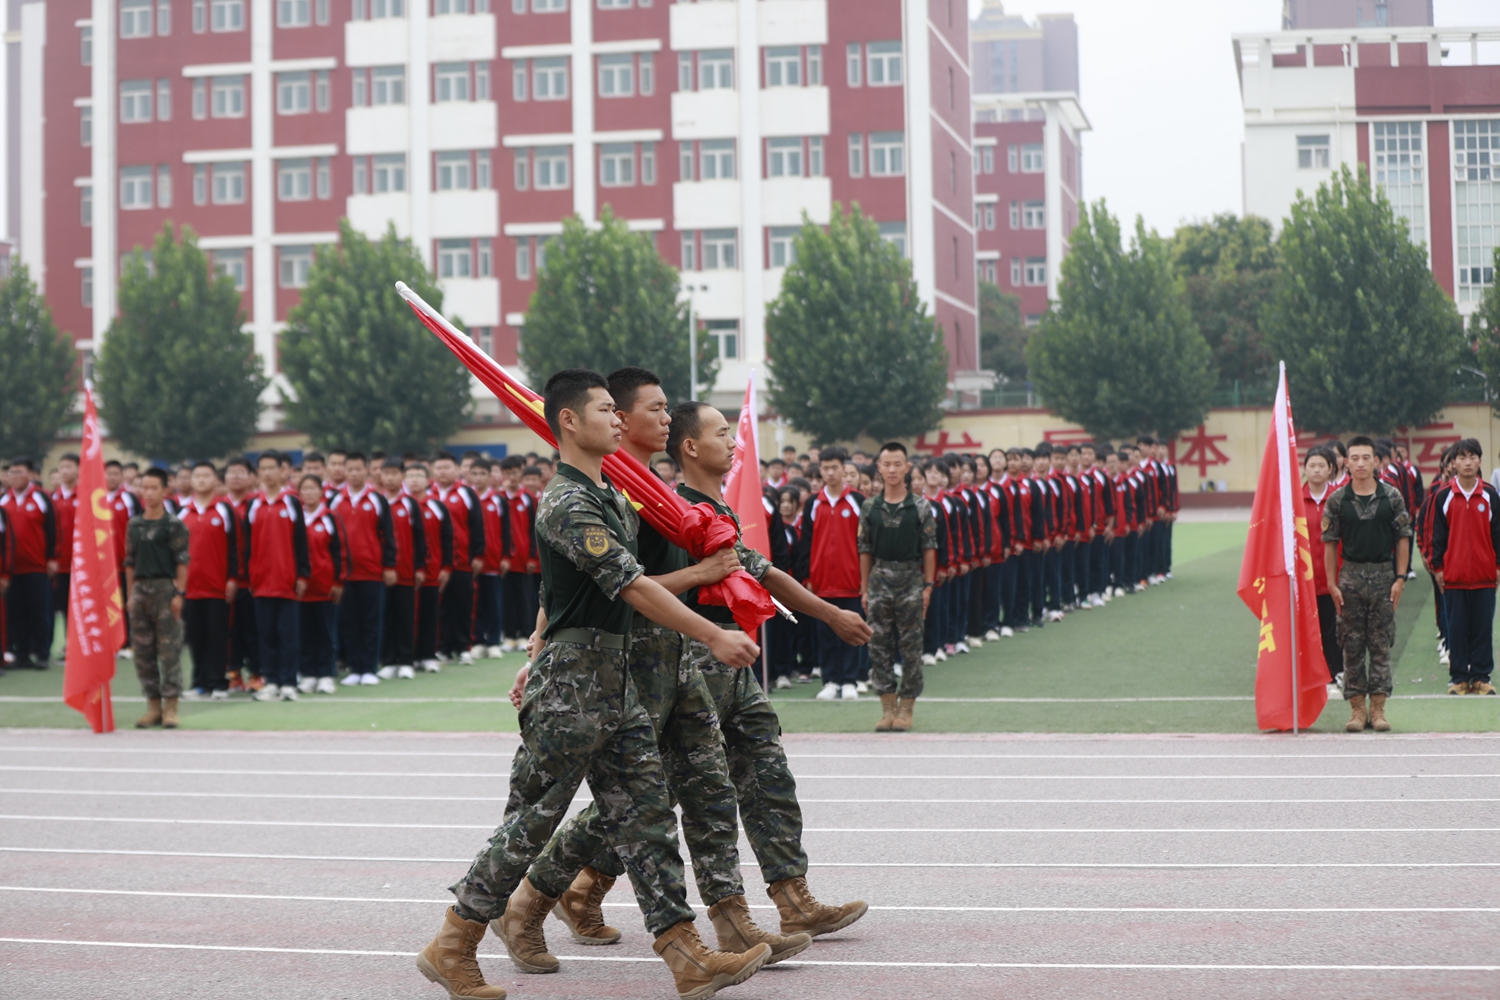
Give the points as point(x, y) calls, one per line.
point(1370, 341)
point(39, 369)
point(1002, 335)
point(1484, 336)
point(605, 299)
point(851, 347)
point(1118, 351)
point(367, 374)
point(1228, 265)
point(178, 377)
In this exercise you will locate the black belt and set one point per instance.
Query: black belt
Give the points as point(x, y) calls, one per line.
point(591, 637)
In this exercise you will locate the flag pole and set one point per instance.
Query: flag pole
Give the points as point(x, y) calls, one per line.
point(1290, 521)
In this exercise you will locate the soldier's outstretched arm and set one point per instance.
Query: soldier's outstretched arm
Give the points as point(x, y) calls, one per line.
point(655, 602)
point(847, 625)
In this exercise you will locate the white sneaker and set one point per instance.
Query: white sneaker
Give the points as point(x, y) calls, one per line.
point(783, 682)
point(194, 694)
point(326, 685)
point(288, 693)
point(466, 658)
point(268, 693)
point(849, 692)
point(1007, 633)
point(860, 687)
point(991, 636)
point(1119, 591)
point(928, 660)
point(386, 673)
point(1098, 601)
point(495, 652)
point(443, 657)
point(1444, 658)
point(306, 684)
point(431, 666)
point(975, 642)
point(351, 681)
point(219, 696)
point(127, 653)
point(941, 654)
point(829, 693)
point(508, 646)
point(817, 672)
point(405, 673)
point(1338, 681)
point(1334, 692)
point(368, 679)
point(961, 646)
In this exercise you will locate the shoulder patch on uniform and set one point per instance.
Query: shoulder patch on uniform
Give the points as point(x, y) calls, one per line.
point(595, 539)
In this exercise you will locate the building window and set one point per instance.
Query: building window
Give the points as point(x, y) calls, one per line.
point(1399, 172)
point(200, 16)
point(784, 157)
point(481, 81)
point(1476, 200)
point(716, 69)
point(989, 217)
point(648, 163)
point(228, 93)
point(484, 336)
point(647, 62)
point(1015, 273)
point(453, 172)
point(984, 270)
point(135, 101)
point(989, 159)
point(200, 98)
point(163, 186)
point(894, 233)
point(293, 13)
point(1012, 158)
point(726, 334)
point(1312, 152)
point(783, 246)
point(231, 264)
point(450, 7)
point(390, 173)
point(293, 93)
point(520, 73)
point(294, 180)
point(452, 81)
point(885, 63)
point(325, 179)
point(856, 154)
point(1032, 160)
point(1036, 270)
point(549, 79)
point(815, 156)
point(783, 66)
point(135, 188)
point(455, 259)
point(86, 287)
point(227, 15)
point(617, 165)
point(617, 75)
point(548, 6)
point(523, 170)
point(361, 175)
point(1015, 215)
point(135, 18)
point(716, 160)
point(523, 258)
point(163, 17)
point(86, 205)
point(854, 63)
point(200, 184)
point(1033, 215)
point(295, 263)
point(614, 4)
point(719, 249)
point(164, 100)
point(229, 183)
point(388, 85)
point(86, 126)
point(887, 154)
point(320, 90)
point(379, 9)
point(550, 171)
point(86, 46)
point(689, 251)
point(484, 258)
point(684, 71)
point(815, 65)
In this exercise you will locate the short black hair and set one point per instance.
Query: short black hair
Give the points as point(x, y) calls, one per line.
point(512, 462)
point(800, 483)
point(313, 456)
point(471, 454)
point(892, 446)
point(1337, 446)
point(337, 451)
point(568, 390)
point(202, 462)
point(834, 454)
point(131, 465)
point(1361, 441)
point(269, 453)
point(687, 422)
point(303, 481)
point(1320, 451)
point(626, 383)
point(391, 463)
point(356, 456)
point(1145, 439)
point(114, 461)
point(531, 470)
point(68, 456)
point(1468, 446)
point(239, 460)
point(443, 456)
point(1043, 450)
point(481, 463)
point(23, 461)
point(159, 474)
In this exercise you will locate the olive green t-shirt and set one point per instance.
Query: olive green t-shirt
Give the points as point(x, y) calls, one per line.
point(1367, 526)
point(586, 543)
point(751, 561)
point(156, 548)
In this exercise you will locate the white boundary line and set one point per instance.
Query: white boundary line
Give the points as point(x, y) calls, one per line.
point(362, 953)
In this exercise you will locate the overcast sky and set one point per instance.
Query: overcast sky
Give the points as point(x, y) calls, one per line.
point(1158, 85)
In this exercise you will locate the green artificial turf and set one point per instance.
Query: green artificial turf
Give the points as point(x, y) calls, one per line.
point(1190, 638)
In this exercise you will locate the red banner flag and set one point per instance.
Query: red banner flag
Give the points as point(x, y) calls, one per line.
point(96, 611)
point(742, 488)
point(1276, 584)
point(697, 528)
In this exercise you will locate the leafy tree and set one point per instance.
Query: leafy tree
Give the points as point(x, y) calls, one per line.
point(851, 347)
point(1370, 341)
point(38, 365)
point(366, 372)
point(1002, 335)
point(1118, 351)
point(606, 299)
point(1229, 266)
point(1484, 336)
point(178, 377)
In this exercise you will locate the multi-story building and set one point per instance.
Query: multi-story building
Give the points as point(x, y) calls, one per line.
point(1415, 106)
point(1008, 54)
point(474, 127)
point(1302, 15)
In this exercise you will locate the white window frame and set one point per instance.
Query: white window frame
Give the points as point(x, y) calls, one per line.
point(617, 165)
point(388, 173)
point(883, 64)
point(294, 93)
point(1036, 272)
point(716, 69)
point(648, 163)
point(293, 265)
point(455, 258)
point(551, 169)
point(136, 189)
point(294, 180)
point(815, 65)
point(293, 13)
point(784, 156)
point(228, 186)
point(616, 75)
point(231, 263)
point(163, 100)
point(451, 83)
point(646, 73)
point(783, 66)
point(227, 97)
point(894, 233)
point(387, 85)
point(720, 249)
point(163, 186)
point(135, 18)
point(854, 65)
point(549, 79)
point(1033, 158)
point(887, 154)
point(726, 336)
point(135, 101)
point(1033, 215)
point(856, 154)
point(523, 258)
point(454, 171)
point(1313, 152)
point(226, 15)
point(1015, 272)
point(716, 160)
point(783, 246)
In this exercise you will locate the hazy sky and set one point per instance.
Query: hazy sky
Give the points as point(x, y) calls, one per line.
point(1157, 82)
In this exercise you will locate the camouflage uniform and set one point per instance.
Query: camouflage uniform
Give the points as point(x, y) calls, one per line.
point(1367, 528)
point(895, 589)
point(154, 549)
point(581, 718)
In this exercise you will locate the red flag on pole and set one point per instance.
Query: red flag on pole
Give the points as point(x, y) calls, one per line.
point(96, 611)
point(742, 488)
point(1276, 584)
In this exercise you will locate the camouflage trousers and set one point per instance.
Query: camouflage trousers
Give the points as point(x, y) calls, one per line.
point(895, 616)
point(156, 638)
point(676, 699)
point(1367, 625)
point(580, 719)
point(763, 782)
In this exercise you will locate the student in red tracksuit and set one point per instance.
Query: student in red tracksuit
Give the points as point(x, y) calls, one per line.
point(65, 504)
point(123, 505)
point(213, 564)
point(830, 551)
point(5, 534)
point(411, 563)
point(457, 633)
point(278, 576)
point(365, 520)
point(518, 616)
point(244, 639)
point(437, 533)
point(488, 609)
point(33, 533)
point(1466, 561)
point(1318, 465)
point(328, 565)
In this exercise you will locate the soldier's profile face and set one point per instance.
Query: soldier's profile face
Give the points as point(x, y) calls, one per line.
point(596, 425)
point(649, 420)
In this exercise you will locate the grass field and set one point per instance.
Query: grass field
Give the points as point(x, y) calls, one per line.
point(1177, 658)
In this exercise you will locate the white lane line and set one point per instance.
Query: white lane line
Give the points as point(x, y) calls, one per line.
point(767, 906)
point(815, 864)
point(810, 829)
point(364, 953)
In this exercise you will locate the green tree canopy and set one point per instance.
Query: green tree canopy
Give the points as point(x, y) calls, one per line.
point(178, 377)
point(367, 374)
point(606, 299)
point(39, 369)
point(1002, 335)
point(1369, 339)
point(1118, 351)
point(851, 347)
point(1484, 335)
point(1228, 265)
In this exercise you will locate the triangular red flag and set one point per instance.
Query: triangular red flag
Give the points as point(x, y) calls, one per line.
point(742, 488)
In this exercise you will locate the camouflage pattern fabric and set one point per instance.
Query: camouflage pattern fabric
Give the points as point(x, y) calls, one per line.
point(895, 616)
point(156, 638)
point(677, 700)
point(1368, 625)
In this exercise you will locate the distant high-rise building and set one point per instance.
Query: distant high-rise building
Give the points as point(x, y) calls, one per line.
point(1010, 55)
point(1306, 15)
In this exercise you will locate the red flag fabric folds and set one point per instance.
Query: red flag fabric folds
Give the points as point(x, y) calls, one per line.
point(742, 487)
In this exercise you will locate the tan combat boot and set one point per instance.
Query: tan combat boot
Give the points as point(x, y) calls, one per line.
point(903, 715)
point(737, 932)
point(1356, 714)
point(580, 908)
point(520, 928)
point(169, 713)
point(1377, 714)
point(887, 714)
point(450, 961)
point(152, 716)
point(801, 912)
point(701, 973)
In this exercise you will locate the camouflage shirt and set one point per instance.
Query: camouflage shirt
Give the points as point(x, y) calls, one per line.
point(586, 538)
point(751, 561)
point(1367, 527)
point(897, 532)
point(156, 548)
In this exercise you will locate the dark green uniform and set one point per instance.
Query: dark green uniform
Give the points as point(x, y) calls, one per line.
point(580, 716)
point(1367, 528)
point(155, 549)
point(896, 536)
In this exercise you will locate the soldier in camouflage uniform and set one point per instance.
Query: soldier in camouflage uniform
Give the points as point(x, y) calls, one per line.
point(581, 718)
point(1368, 520)
point(897, 564)
point(156, 562)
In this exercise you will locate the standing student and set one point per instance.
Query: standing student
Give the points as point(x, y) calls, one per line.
point(1466, 562)
point(935, 621)
point(244, 639)
point(457, 613)
point(370, 545)
point(123, 505)
point(278, 576)
point(327, 567)
point(65, 506)
point(157, 551)
point(213, 566)
point(336, 476)
point(411, 562)
point(829, 545)
point(1105, 518)
point(782, 635)
point(1005, 534)
point(33, 540)
point(1318, 466)
point(489, 620)
point(517, 615)
point(437, 536)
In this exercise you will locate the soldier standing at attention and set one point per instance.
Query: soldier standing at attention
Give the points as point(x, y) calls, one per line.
point(580, 718)
point(1369, 521)
point(156, 571)
point(897, 566)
